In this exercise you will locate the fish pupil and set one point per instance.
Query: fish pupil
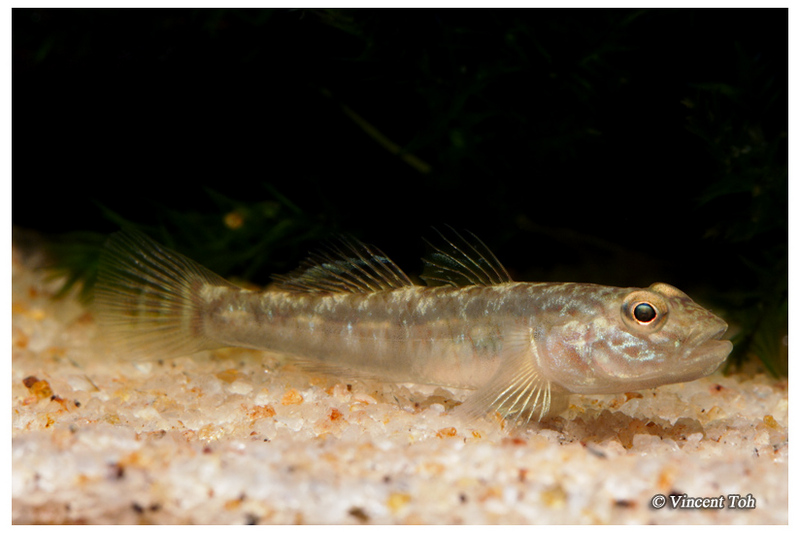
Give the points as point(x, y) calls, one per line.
point(644, 313)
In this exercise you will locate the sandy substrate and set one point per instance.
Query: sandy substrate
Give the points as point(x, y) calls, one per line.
point(238, 437)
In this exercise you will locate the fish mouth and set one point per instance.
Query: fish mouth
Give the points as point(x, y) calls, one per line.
point(709, 351)
point(706, 334)
point(713, 351)
point(700, 361)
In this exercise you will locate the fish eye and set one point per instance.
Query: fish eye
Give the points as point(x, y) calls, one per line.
point(644, 313)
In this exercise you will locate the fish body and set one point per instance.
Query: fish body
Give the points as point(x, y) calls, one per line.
point(523, 347)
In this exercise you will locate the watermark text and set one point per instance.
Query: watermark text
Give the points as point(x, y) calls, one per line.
point(684, 501)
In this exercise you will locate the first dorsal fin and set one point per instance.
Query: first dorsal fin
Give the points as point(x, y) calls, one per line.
point(345, 265)
point(458, 261)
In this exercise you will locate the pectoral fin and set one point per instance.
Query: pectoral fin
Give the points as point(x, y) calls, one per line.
point(518, 391)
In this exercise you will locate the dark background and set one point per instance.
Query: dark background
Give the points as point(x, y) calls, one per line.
point(614, 146)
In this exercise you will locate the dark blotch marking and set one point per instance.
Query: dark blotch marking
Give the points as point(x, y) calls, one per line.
point(359, 514)
point(117, 471)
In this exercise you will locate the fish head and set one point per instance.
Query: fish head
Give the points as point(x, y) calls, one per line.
point(636, 339)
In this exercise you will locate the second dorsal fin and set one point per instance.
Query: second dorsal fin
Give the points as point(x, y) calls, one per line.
point(345, 265)
point(458, 261)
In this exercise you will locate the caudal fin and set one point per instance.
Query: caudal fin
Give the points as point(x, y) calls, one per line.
point(148, 299)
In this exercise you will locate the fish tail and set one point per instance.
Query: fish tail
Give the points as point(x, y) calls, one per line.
point(149, 300)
